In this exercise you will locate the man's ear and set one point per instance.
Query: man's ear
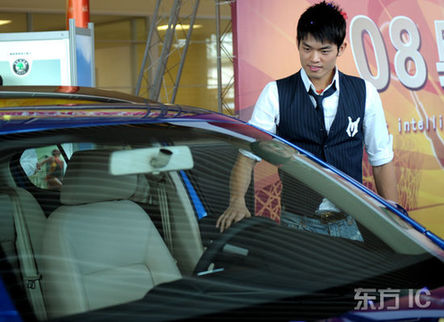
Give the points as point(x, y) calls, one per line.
point(342, 48)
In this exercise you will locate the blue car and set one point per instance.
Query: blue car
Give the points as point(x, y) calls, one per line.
point(108, 210)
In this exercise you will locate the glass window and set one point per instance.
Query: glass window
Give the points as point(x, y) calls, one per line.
point(137, 213)
point(45, 167)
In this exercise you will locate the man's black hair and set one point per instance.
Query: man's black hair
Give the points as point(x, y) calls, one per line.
point(324, 21)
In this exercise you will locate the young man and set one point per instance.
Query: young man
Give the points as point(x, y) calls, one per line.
point(324, 111)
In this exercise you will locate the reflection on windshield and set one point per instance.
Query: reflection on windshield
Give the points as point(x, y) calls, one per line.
point(303, 208)
point(139, 244)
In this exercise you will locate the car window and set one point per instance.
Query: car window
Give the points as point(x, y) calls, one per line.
point(133, 230)
point(44, 166)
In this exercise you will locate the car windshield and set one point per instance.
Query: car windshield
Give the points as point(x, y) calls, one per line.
point(121, 221)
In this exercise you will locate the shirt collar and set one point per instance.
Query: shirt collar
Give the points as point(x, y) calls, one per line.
point(308, 83)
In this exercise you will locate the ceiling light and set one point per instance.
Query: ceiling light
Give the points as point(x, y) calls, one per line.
point(4, 22)
point(178, 26)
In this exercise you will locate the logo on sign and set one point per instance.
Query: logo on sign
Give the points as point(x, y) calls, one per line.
point(20, 66)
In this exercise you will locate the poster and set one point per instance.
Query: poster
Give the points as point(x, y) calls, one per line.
point(48, 57)
point(29, 62)
point(398, 45)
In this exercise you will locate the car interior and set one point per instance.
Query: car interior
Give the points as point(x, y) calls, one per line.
point(72, 235)
point(126, 228)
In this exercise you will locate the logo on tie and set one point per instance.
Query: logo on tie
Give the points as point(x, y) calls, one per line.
point(352, 127)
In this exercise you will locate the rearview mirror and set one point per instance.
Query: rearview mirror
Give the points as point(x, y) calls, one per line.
point(151, 160)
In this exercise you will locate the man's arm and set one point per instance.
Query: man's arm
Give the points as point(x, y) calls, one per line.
point(266, 116)
point(379, 145)
point(39, 164)
point(385, 180)
point(239, 181)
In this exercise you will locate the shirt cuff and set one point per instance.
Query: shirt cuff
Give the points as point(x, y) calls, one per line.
point(383, 155)
point(381, 159)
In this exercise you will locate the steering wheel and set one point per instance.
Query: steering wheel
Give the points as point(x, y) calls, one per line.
point(217, 245)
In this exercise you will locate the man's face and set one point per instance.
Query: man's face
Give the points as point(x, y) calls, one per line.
point(319, 59)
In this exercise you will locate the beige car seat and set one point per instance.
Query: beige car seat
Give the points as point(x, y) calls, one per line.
point(100, 249)
point(22, 224)
point(34, 217)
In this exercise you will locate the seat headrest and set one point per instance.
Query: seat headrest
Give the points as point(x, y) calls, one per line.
point(88, 179)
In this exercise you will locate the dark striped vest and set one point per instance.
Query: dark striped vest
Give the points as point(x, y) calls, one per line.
point(299, 123)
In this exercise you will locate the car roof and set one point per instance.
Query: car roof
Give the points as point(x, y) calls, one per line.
point(49, 95)
point(36, 108)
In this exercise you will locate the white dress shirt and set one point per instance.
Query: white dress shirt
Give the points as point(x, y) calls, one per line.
point(378, 143)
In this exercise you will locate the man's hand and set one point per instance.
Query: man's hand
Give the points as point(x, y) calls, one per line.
point(239, 181)
point(234, 213)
